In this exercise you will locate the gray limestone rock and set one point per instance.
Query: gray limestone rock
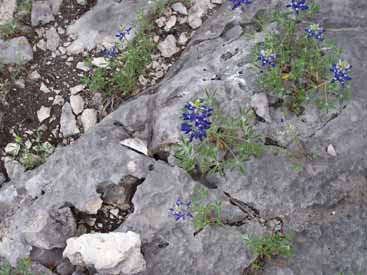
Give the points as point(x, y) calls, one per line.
point(218, 248)
point(323, 206)
point(52, 39)
point(15, 51)
point(42, 13)
point(71, 176)
point(168, 46)
point(68, 126)
point(102, 23)
point(7, 9)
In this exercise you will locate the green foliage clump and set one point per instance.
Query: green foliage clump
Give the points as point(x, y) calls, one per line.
point(22, 268)
point(121, 74)
point(34, 156)
point(204, 213)
point(269, 246)
point(302, 72)
point(229, 144)
point(9, 28)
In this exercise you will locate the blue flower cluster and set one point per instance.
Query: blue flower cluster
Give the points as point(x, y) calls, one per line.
point(315, 30)
point(298, 5)
point(181, 211)
point(110, 53)
point(114, 51)
point(239, 3)
point(196, 119)
point(341, 72)
point(267, 57)
point(122, 34)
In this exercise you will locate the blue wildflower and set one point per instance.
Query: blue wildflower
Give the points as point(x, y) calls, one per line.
point(110, 53)
point(267, 57)
point(298, 5)
point(122, 34)
point(239, 3)
point(315, 30)
point(181, 211)
point(341, 71)
point(196, 119)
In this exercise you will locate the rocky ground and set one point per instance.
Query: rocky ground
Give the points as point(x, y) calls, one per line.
point(98, 182)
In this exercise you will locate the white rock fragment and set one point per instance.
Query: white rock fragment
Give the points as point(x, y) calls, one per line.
point(43, 113)
point(100, 62)
point(135, 144)
point(77, 104)
point(89, 119)
point(259, 102)
point(109, 253)
point(170, 23)
point(59, 100)
point(331, 150)
point(182, 39)
point(77, 89)
point(168, 47)
point(44, 88)
point(68, 126)
point(179, 8)
point(81, 66)
point(52, 38)
point(12, 149)
point(34, 75)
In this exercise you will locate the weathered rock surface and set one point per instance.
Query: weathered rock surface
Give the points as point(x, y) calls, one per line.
point(16, 50)
point(41, 13)
point(7, 9)
point(76, 174)
point(68, 125)
point(102, 23)
point(215, 248)
point(324, 205)
point(110, 253)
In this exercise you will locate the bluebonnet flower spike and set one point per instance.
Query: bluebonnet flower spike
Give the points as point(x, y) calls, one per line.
point(315, 30)
point(267, 57)
point(110, 53)
point(122, 34)
point(341, 72)
point(239, 3)
point(181, 211)
point(196, 119)
point(298, 5)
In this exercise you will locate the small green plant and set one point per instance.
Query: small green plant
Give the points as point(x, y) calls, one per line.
point(22, 268)
point(204, 213)
point(301, 62)
point(126, 61)
point(215, 142)
point(9, 28)
point(24, 6)
point(34, 156)
point(5, 269)
point(269, 246)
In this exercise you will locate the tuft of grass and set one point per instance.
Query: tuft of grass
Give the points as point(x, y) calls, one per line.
point(122, 73)
point(266, 247)
point(301, 75)
point(204, 213)
point(9, 28)
point(24, 6)
point(22, 268)
point(32, 157)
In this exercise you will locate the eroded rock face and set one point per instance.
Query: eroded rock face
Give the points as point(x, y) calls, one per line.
point(71, 177)
point(15, 51)
point(111, 253)
point(324, 205)
point(102, 23)
point(7, 9)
